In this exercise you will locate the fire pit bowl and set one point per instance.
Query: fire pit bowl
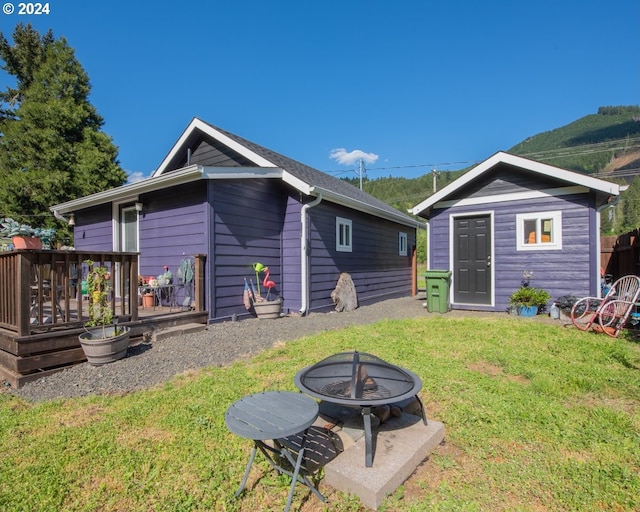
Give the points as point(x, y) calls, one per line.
point(358, 379)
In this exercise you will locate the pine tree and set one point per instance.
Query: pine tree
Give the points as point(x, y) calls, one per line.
point(52, 148)
point(630, 206)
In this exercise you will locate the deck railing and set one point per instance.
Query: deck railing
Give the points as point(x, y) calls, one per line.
point(43, 289)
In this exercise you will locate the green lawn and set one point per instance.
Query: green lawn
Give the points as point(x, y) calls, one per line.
point(537, 417)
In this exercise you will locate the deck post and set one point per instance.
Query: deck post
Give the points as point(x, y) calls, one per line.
point(199, 281)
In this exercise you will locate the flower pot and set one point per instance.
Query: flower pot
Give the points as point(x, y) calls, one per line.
point(26, 242)
point(147, 300)
point(527, 310)
point(102, 346)
point(268, 308)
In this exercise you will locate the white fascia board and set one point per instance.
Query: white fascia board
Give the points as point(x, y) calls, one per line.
point(517, 196)
point(231, 173)
point(363, 207)
point(524, 163)
point(209, 130)
point(297, 183)
point(185, 175)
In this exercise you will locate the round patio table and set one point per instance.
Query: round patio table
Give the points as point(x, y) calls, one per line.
point(274, 415)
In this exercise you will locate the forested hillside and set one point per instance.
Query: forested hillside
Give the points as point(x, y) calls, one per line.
point(605, 145)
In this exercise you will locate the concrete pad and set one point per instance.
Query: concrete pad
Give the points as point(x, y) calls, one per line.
point(177, 330)
point(400, 446)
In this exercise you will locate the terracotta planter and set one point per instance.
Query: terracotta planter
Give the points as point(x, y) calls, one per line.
point(102, 350)
point(268, 308)
point(26, 242)
point(147, 300)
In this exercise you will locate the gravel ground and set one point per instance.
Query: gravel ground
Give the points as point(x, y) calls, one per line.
point(149, 364)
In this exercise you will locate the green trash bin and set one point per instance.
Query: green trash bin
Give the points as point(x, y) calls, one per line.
point(438, 282)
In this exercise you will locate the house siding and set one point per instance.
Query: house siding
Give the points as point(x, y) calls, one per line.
point(291, 255)
point(209, 152)
point(93, 229)
point(375, 266)
point(560, 272)
point(172, 227)
point(248, 217)
point(505, 179)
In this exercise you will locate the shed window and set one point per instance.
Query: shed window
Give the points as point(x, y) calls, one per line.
point(539, 231)
point(343, 234)
point(402, 244)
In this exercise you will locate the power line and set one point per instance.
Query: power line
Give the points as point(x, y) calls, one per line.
point(572, 151)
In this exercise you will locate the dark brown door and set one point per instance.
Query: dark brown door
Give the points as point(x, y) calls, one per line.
point(472, 260)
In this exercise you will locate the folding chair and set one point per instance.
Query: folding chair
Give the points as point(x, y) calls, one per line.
point(610, 313)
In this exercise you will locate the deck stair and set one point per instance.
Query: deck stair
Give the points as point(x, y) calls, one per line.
point(177, 330)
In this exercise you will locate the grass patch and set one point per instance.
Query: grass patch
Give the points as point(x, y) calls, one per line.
point(537, 417)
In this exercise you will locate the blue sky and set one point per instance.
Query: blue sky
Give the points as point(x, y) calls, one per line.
point(406, 85)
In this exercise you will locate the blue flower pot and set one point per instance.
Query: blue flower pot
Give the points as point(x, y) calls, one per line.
point(527, 310)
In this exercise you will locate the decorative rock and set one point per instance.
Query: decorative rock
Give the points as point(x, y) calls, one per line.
point(344, 295)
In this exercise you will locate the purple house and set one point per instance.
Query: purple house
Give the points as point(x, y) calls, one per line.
point(219, 195)
point(509, 215)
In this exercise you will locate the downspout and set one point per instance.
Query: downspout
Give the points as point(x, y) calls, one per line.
point(599, 211)
point(304, 257)
point(59, 216)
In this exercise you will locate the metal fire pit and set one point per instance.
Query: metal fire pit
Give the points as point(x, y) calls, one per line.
point(358, 379)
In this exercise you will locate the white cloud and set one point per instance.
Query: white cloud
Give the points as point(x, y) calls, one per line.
point(349, 158)
point(135, 176)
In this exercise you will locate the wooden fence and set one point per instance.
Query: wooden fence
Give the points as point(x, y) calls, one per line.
point(620, 254)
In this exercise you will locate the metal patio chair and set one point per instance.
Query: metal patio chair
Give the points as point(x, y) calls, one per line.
point(610, 313)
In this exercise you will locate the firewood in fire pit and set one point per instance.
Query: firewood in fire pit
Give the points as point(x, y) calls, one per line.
point(363, 381)
point(364, 384)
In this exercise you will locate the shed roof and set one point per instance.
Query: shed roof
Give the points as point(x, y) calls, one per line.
point(267, 163)
point(605, 190)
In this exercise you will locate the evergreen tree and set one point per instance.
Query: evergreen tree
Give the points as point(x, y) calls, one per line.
point(630, 206)
point(52, 148)
point(21, 60)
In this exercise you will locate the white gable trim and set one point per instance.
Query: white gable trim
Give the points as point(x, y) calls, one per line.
point(197, 124)
point(574, 178)
point(516, 196)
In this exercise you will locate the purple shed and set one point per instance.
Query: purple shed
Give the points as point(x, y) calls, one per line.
point(509, 215)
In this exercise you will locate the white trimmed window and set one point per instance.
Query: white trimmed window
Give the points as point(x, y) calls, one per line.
point(539, 231)
point(343, 235)
point(402, 243)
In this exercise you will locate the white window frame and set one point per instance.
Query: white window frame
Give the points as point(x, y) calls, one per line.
point(402, 244)
point(344, 235)
point(555, 217)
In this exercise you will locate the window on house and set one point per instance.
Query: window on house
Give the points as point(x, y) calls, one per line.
point(343, 234)
point(402, 244)
point(539, 231)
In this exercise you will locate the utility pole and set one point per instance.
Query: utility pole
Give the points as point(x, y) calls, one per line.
point(361, 171)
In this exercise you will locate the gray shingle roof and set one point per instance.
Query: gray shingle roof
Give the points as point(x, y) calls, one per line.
point(314, 177)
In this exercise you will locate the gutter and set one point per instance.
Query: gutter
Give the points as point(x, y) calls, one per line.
point(178, 177)
point(304, 257)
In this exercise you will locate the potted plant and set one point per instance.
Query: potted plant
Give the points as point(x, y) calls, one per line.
point(104, 341)
point(22, 236)
point(527, 299)
point(265, 308)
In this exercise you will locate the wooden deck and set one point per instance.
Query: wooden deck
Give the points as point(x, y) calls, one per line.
point(42, 309)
